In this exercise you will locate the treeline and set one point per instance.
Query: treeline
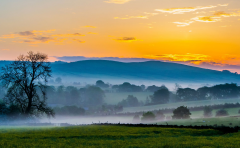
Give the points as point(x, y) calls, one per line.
point(197, 108)
point(222, 91)
point(70, 95)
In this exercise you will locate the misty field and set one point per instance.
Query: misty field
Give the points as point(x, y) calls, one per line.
point(114, 136)
point(175, 105)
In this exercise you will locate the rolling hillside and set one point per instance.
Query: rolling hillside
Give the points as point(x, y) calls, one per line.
point(151, 70)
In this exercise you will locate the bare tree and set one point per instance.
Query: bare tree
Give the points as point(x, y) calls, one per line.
point(26, 79)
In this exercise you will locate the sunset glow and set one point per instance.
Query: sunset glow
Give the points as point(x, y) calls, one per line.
point(185, 31)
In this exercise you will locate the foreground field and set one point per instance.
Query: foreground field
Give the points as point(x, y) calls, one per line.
point(225, 121)
point(114, 136)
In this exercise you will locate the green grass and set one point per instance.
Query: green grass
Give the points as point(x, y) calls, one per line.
point(116, 97)
point(235, 121)
point(115, 137)
point(175, 105)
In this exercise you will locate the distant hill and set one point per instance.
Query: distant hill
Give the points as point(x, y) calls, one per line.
point(151, 70)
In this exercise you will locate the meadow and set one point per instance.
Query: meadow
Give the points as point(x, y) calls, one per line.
point(114, 136)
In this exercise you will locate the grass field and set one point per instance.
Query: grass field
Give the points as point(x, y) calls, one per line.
point(114, 137)
point(175, 105)
point(226, 121)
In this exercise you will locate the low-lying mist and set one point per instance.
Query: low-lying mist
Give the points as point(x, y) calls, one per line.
point(87, 120)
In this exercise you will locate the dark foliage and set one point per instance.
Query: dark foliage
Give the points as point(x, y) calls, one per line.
point(131, 101)
point(148, 116)
point(161, 96)
point(127, 87)
point(181, 112)
point(221, 112)
point(25, 80)
point(101, 84)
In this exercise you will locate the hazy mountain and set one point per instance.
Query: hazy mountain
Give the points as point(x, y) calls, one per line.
point(151, 70)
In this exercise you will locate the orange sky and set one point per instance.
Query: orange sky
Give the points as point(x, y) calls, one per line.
point(171, 30)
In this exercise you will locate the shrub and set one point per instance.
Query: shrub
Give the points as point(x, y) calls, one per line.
point(148, 116)
point(181, 112)
point(221, 112)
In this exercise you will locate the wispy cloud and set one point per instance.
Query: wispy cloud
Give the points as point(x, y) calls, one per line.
point(224, 14)
point(189, 57)
point(118, 1)
point(126, 39)
point(79, 41)
point(184, 9)
point(68, 35)
point(39, 36)
point(206, 19)
point(223, 5)
point(183, 24)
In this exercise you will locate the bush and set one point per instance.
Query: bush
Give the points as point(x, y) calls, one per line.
point(148, 116)
point(181, 112)
point(221, 112)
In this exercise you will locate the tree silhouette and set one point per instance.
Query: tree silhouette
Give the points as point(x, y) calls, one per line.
point(26, 79)
point(148, 116)
point(181, 112)
point(161, 96)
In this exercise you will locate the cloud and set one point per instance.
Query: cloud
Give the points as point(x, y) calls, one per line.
point(43, 39)
point(118, 1)
point(126, 39)
point(130, 17)
point(40, 36)
point(145, 16)
point(189, 57)
point(78, 40)
point(224, 14)
point(26, 33)
point(206, 19)
point(222, 5)
point(183, 24)
point(184, 9)
point(89, 26)
point(68, 35)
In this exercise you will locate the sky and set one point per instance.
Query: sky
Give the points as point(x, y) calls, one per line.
point(202, 33)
